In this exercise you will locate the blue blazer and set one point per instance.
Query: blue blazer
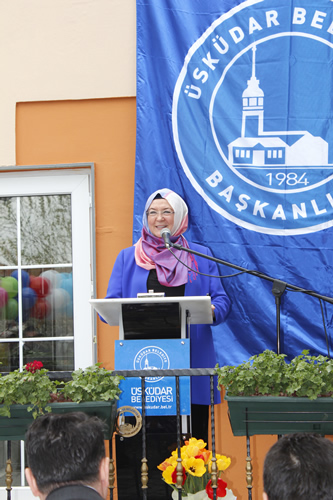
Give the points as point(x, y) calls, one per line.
point(128, 279)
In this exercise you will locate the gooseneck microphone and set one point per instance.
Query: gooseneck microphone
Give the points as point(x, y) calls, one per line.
point(165, 234)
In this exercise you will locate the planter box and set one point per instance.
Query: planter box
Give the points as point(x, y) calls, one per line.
point(279, 415)
point(15, 427)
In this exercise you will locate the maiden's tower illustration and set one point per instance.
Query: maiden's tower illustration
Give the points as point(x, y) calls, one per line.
point(256, 148)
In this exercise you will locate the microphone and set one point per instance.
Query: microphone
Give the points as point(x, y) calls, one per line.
point(165, 234)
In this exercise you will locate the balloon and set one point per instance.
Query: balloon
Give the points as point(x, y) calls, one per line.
point(67, 284)
point(10, 284)
point(40, 285)
point(11, 309)
point(40, 309)
point(58, 299)
point(24, 276)
point(65, 276)
point(53, 277)
point(3, 297)
point(29, 298)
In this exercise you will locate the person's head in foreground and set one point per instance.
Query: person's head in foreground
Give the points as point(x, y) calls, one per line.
point(66, 453)
point(299, 466)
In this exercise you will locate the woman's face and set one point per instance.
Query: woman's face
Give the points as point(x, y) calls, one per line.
point(160, 214)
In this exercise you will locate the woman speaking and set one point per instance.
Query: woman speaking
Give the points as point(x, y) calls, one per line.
point(149, 265)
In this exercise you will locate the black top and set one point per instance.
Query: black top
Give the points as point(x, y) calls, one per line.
point(170, 291)
point(74, 492)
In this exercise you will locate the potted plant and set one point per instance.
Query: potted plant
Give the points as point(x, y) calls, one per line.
point(196, 462)
point(268, 395)
point(26, 394)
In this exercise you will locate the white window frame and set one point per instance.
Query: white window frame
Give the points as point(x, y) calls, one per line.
point(78, 182)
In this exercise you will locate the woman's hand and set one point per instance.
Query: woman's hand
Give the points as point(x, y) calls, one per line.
point(213, 313)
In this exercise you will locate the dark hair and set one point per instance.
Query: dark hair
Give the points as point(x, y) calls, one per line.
point(299, 466)
point(65, 449)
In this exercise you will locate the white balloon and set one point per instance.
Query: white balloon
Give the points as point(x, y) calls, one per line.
point(58, 299)
point(53, 276)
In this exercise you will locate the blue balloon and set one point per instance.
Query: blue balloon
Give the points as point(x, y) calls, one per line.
point(67, 284)
point(25, 277)
point(29, 298)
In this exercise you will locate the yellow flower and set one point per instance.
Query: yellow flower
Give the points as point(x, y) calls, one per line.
point(167, 474)
point(194, 447)
point(200, 443)
point(222, 462)
point(174, 455)
point(195, 466)
point(196, 462)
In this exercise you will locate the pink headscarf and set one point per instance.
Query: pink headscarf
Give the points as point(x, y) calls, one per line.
point(150, 251)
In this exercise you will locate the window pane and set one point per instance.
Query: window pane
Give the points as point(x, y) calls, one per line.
point(47, 311)
point(55, 356)
point(46, 229)
point(47, 302)
point(8, 233)
point(9, 359)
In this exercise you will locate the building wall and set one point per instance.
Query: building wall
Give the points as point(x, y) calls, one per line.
point(69, 97)
point(64, 49)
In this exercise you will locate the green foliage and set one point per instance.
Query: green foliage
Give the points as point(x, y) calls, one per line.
point(37, 390)
point(269, 373)
point(92, 384)
point(26, 388)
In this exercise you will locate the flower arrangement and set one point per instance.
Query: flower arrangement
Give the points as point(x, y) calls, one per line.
point(196, 461)
point(33, 387)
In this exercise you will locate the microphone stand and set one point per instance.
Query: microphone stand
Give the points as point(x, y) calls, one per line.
point(277, 290)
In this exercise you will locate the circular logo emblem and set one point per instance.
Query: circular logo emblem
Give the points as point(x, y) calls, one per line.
point(151, 358)
point(251, 117)
point(124, 428)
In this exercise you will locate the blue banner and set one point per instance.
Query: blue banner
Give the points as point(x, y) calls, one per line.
point(160, 392)
point(234, 114)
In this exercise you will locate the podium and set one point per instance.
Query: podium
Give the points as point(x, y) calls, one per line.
point(154, 333)
point(188, 310)
point(153, 318)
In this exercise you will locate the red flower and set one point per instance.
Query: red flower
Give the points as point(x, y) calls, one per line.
point(33, 366)
point(221, 489)
point(174, 476)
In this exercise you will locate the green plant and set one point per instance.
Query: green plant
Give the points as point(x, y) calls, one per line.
point(269, 373)
point(92, 384)
point(33, 387)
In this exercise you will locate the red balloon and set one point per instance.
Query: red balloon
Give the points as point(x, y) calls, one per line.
point(40, 285)
point(40, 309)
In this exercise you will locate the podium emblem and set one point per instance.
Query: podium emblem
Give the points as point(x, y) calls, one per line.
point(151, 358)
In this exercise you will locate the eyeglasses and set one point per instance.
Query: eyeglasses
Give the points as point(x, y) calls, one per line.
point(163, 213)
